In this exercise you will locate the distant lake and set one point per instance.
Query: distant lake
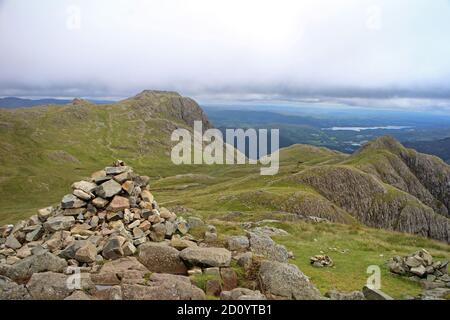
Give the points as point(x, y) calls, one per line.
point(358, 129)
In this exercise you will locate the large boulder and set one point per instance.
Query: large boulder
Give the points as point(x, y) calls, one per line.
point(242, 294)
point(286, 281)
point(263, 245)
point(206, 257)
point(159, 257)
point(56, 286)
point(112, 272)
point(24, 269)
point(162, 287)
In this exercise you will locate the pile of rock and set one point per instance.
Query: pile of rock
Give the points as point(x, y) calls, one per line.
point(419, 266)
point(321, 261)
point(105, 217)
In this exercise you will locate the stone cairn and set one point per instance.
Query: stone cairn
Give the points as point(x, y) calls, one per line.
point(321, 261)
point(420, 266)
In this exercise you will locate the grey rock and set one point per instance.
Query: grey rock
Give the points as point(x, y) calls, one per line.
point(35, 234)
point(86, 253)
point(44, 213)
point(238, 243)
point(337, 295)
point(163, 287)
point(12, 242)
point(9, 290)
point(116, 170)
point(70, 201)
point(87, 187)
point(108, 189)
point(113, 249)
point(207, 257)
point(286, 281)
point(266, 247)
point(59, 223)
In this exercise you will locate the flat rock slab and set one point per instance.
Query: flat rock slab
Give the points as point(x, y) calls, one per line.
point(206, 257)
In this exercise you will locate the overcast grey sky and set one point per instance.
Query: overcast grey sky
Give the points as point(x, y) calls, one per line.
point(355, 51)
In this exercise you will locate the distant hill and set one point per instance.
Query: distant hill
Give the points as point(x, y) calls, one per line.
point(14, 102)
point(440, 148)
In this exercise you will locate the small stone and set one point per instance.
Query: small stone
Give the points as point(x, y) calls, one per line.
point(87, 253)
point(119, 203)
point(212, 257)
point(158, 232)
point(141, 181)
point(116, 170)
point(138, 233)
point(129, 249)
point(210, 237)
point(140, 241)
point(12, 260)
point(70, 201)
point(82, 195)
point(122, 177)
point(135, 224)
point(128, 186)
point(182, 227)
point(99, 203)
point(147, 196)
point(229, 278)
point(94, 221)
point(195, 222)
point(419, 271)
point(12, 242)
point(114, 216)
point(375, 294)
point(44, 213)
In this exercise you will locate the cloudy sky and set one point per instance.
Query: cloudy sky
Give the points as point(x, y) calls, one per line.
point(366, 52)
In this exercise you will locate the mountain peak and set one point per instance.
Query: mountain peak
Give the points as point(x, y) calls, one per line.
point(384, 143)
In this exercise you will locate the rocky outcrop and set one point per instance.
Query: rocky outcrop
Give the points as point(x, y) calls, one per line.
point(374, 203)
